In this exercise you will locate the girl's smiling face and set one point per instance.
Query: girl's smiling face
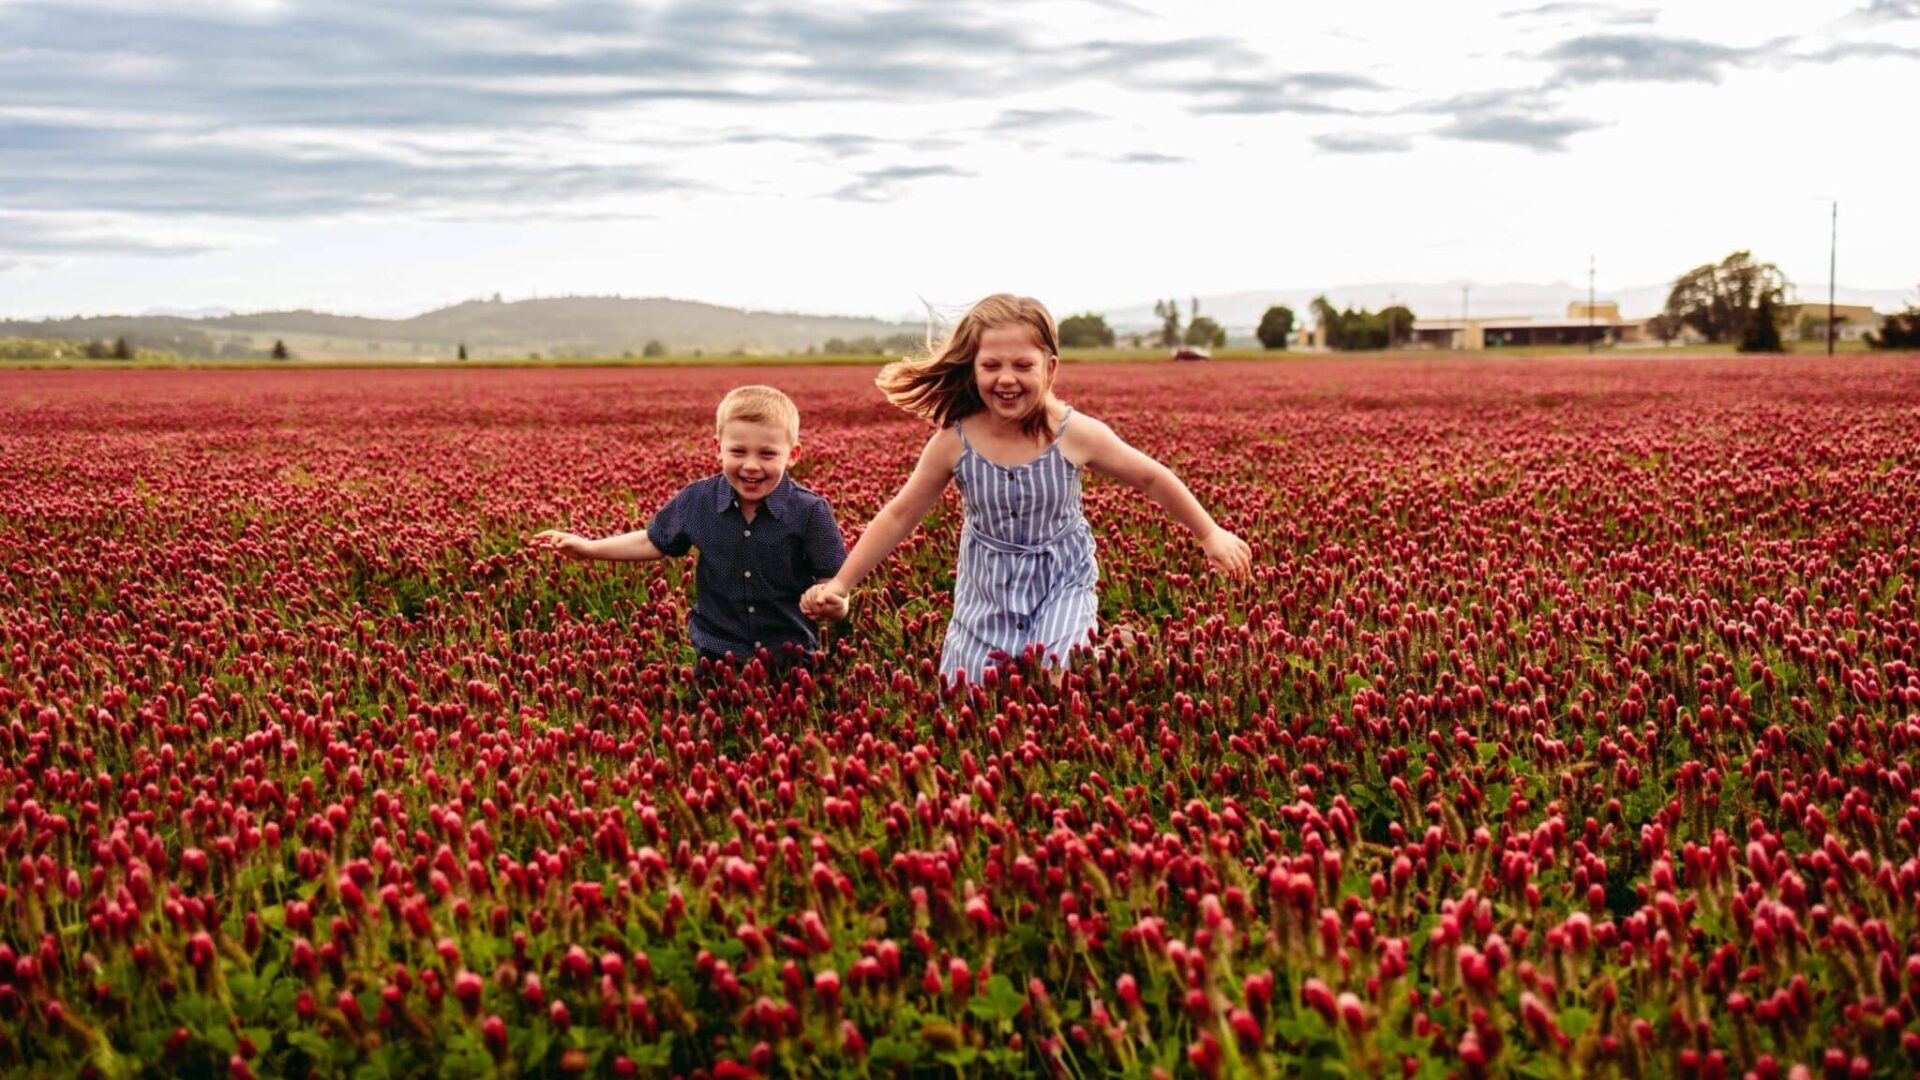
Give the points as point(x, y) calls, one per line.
point(1012, 372)
point(754, 456)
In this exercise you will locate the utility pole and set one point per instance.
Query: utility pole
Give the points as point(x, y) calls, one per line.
point(1589, 302)
point(1833, 261)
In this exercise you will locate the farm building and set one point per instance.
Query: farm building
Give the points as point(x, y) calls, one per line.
point(1807, 321)
point(1602, 324)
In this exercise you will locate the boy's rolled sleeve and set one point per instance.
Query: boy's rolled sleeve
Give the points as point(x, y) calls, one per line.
point(669, 530)
point(826, 549)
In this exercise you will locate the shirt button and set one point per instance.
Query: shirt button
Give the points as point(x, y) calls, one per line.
point(749, 573)
point(746, 532)
point(751, 609)
point(756, 644)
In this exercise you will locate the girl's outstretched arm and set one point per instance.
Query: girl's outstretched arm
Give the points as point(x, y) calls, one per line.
point(1104, 452)
point(894, 523)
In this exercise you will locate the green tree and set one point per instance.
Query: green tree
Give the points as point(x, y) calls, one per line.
point(1721, 300)
point(1276, 326)
point(1088, 331)
point(1206, 333)
point(463, 350)
point(1168, 312)
point(34, 348)
point(1399, 325)
point(1363, 329)
point(653, 349)
point(1763, 328)
point(121, 350)
point(280, 350)
point(1327, 318)
point(1900, 331)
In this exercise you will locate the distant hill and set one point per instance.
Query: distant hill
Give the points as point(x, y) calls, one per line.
point(189, 313)
point(557, 326)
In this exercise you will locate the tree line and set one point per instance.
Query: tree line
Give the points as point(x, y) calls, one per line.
point(1090, 331)
point(124, 348)
point(1342, 329)
point(61, 349)
point(874, 346)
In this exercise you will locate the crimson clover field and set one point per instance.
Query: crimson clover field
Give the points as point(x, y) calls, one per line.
point(1567, 727)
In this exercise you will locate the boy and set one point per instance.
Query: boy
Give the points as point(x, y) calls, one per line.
point(763, 539)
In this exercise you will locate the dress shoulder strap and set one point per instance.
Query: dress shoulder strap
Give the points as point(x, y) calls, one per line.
point(962, 432)
point(1064, 417)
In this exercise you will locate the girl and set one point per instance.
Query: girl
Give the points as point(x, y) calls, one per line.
point(1027, 572)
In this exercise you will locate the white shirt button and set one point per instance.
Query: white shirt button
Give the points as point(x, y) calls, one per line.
point(746, 532)
point(756, 644)
point(751, 609)
point(749, 573)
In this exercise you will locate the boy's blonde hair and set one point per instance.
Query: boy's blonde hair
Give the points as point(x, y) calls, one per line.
point(941, 386)
point(758, 405)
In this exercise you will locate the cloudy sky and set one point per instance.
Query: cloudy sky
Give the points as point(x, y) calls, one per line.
point(388, 157)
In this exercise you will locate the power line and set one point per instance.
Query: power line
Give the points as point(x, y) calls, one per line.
point(1589, 302)
point(1833, 261)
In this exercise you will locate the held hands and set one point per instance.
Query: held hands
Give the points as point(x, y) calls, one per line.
point(825, 601)
point(561, 543)
point(1228, 553)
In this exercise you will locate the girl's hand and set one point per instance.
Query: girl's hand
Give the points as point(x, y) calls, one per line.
point(825, 601)
point(1228, 553)
point(561, 543)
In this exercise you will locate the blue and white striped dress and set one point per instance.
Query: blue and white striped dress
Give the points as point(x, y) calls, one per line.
point(1027, 571)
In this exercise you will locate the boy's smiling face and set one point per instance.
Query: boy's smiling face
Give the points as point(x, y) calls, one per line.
point(753, 457)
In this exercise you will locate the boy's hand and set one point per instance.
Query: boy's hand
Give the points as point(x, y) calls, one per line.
point(827, 600)
point(1228, 553)
point(561, 543)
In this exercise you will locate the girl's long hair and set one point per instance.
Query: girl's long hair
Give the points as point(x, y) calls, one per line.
point(941, 387)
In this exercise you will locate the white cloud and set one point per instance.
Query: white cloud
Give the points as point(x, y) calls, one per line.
point(841, 158)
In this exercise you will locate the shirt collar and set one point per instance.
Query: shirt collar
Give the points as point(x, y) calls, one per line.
point(777, 501)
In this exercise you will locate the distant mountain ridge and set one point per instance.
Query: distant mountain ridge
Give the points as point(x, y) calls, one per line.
point(190, 313)
point(553, 326)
